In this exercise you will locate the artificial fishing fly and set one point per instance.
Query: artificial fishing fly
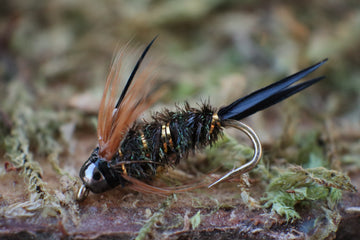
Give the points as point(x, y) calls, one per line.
point(130, 152)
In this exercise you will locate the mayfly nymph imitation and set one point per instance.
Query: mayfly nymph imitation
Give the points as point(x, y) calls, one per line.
point(130, 152)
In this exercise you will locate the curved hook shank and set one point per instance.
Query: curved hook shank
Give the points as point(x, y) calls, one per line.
point(257, 150)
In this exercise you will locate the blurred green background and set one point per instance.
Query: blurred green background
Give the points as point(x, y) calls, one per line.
point(215, 48)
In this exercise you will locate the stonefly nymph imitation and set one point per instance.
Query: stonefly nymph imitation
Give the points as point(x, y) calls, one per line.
point(130, 152)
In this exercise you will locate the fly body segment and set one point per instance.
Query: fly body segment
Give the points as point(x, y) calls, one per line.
point(130, 152)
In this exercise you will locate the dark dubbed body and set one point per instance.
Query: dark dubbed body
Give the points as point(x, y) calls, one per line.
point(166, 140)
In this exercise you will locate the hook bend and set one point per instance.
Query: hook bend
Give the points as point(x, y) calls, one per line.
point(257, 150)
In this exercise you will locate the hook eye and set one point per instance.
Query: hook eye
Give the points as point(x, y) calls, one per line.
point(82, 193)
point(257, 150)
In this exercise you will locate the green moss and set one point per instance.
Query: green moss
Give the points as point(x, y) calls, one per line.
point(149, 225)
point(296, 185)
point(195, 220)
point(34, 135)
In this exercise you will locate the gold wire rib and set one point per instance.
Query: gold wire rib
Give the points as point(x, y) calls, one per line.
point(123, 168)
point(168, 135)
point(120, 153)
point(214, 120)
point(257, 150)
point(163, 136)
point(143, 140)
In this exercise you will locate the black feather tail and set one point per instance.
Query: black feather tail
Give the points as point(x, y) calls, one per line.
point(268, 96)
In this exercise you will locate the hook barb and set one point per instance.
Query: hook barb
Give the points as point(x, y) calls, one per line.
point(257, 150)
